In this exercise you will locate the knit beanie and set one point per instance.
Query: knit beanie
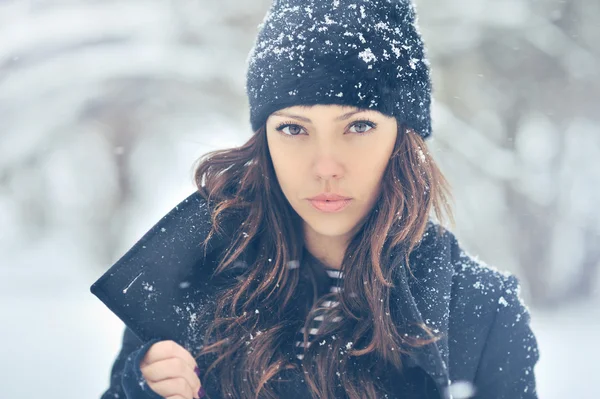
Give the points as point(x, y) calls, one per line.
point(363, 53)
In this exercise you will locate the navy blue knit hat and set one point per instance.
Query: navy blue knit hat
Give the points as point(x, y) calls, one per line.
point(362, 53)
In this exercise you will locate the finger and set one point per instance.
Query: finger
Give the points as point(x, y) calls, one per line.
point(169, 369)
point(177, 387)
point(167, 349)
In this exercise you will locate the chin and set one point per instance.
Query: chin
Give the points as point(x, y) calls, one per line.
point(331, 228)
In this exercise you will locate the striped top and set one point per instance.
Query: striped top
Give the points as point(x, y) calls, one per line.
point(335, 277)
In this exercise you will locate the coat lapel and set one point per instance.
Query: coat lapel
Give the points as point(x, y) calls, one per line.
point(425, 298)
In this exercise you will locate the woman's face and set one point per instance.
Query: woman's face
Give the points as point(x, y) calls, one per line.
point(330, 149)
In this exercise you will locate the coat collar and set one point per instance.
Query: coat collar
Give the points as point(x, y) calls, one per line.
point(425, 298)
point(167, 253)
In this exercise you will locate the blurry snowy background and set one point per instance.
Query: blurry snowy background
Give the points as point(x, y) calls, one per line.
point(105, 105)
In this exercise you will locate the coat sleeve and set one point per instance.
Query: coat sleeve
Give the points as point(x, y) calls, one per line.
point(126, 379)
point(506, 366)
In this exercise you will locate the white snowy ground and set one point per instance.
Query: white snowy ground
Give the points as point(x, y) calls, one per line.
point(59, 341)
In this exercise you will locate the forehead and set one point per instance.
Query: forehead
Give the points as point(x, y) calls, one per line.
point(334, 111)
point(333, 108)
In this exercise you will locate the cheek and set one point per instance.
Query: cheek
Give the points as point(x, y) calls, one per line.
point(287, 168)
point(368, 177)
point(368, 171)
point(371, 159)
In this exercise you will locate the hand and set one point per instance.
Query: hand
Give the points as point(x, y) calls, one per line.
point(170, 371)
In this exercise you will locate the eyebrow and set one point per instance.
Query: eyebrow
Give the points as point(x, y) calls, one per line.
point(305, 119)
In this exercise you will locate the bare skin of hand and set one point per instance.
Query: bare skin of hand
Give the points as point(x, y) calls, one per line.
point(169, 371)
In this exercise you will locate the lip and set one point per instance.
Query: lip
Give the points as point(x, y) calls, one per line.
point(329, 197)
point(330, 206)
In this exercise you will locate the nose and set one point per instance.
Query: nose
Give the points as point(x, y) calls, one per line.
point(327, 162)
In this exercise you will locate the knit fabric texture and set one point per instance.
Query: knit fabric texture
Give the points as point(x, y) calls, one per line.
point(363, 53)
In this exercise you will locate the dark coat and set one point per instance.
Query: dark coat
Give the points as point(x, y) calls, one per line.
point(158, 287)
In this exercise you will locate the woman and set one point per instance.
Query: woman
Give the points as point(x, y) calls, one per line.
point(322, 274)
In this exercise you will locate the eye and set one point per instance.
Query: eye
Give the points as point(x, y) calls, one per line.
point(292, 129)
point(364, 126)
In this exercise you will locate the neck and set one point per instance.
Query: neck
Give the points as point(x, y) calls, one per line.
point(327, 249)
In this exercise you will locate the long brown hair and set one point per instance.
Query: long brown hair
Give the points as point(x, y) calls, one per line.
point(257, 317)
